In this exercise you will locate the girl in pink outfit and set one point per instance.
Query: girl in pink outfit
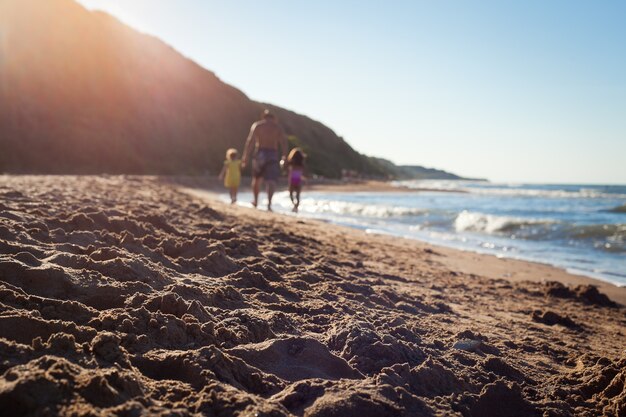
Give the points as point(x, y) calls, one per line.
point(295, 163)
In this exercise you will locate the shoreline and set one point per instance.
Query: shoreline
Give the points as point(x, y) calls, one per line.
point(463, 260)
point(370, 186)
point(330, 186)
point(517, 270)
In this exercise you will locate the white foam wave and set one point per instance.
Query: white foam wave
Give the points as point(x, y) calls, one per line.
point(435, 185)
point(489, 223)
point(357, 209)
point(525, 192)
point(504, 189)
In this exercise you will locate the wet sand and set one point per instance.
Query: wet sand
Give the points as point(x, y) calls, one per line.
point(130, 295)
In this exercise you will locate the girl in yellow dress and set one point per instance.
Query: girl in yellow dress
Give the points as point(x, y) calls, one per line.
point(231, 173)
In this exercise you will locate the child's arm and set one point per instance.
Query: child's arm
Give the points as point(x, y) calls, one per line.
point(248, 147)
point(221, 176)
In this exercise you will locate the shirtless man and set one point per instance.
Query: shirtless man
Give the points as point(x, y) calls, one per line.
point(265, 137)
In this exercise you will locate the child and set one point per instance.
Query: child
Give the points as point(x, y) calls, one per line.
point(295, 162)
point(231, 173)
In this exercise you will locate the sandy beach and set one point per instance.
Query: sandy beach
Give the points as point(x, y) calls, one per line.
point(128, 296)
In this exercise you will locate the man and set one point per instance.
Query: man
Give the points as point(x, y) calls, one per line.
point(265, 137)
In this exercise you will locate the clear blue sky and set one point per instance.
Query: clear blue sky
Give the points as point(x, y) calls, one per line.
point(508, 90)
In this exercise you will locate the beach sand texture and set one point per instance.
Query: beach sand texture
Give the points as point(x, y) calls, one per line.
point(130, 296)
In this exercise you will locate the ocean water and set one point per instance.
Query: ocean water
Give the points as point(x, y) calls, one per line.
point(581, 228)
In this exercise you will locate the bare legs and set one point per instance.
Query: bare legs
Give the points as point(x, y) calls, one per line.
point(233, 195)
point(270, 193)
point(256, 186)
point(298, 198)
point(295, 200)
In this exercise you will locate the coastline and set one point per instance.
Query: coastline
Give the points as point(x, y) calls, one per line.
point(368, 185)
point(466, 261)
point(486, 265)
point(517, 270)
point(131, 295)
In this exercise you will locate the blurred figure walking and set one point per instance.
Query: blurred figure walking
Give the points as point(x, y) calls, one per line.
point(295, 163)
point(263, 143)
point(231, 173)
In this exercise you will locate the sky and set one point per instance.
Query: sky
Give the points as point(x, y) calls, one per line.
point(512, 91)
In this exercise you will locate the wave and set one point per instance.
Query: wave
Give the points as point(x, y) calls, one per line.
point(618, 209)
point(434, 185)
point(358, 209)
point(519, 190)
point(608, 237)
point(528, 192)
point(489, 223)
point(612, 232)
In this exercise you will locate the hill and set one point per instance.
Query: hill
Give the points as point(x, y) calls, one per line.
point(82, 93)
point(415, 172)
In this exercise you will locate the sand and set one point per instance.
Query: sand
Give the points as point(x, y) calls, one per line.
point(130, 296)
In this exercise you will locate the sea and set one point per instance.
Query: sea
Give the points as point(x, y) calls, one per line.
point(580, 228)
